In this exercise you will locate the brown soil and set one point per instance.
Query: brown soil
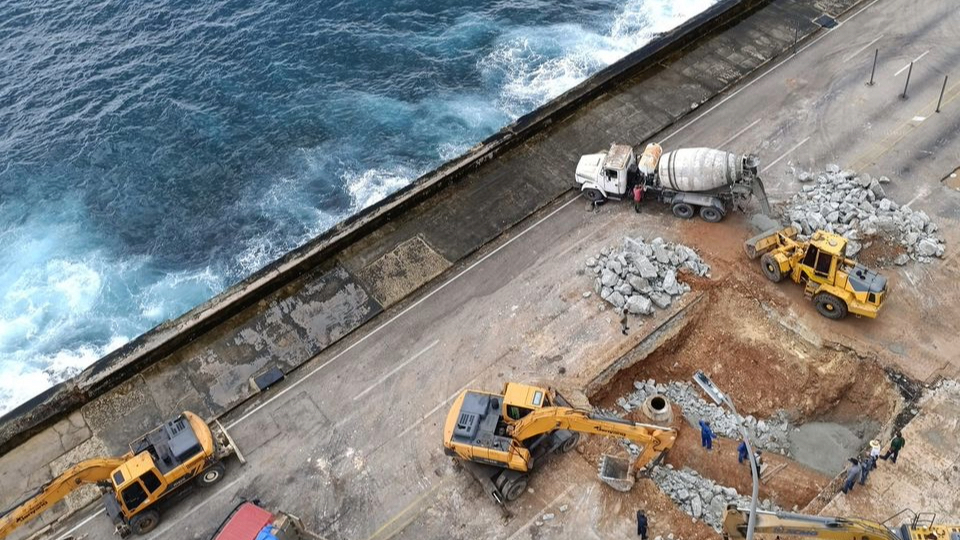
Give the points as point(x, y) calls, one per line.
point(880, 252)
point(762, 365)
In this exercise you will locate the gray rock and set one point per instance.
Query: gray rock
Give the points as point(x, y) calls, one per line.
point(646, 268)
point(616, 299)
point(587, 294)
point(638, 283)
point(833, 169)
point(625, 289)
point(639, 305)
point(591, 262)
point(608, 278)
point(927, 248)
point(615, 266)
point(548, 517)
point(661, 300)
point(884, 180)
point(696, 507)
point(670, 285)
point(661, 254)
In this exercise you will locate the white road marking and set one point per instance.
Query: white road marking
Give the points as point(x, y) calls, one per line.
point(82, 523)
point(917, 59)
point(394, 370)
point(197, 506)
point(537, 515)
point(864, 8)
point(860, 50)
point(398, 315)
point(745, 86)
point(785, 154)
point(739, 133)
point(435, 409)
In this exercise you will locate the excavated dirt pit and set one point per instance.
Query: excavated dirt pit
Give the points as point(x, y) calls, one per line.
point(835, 401)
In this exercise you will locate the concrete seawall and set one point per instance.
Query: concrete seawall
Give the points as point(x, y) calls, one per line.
point(313, 297)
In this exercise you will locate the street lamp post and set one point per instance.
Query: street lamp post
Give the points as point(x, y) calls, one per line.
point(723, 399)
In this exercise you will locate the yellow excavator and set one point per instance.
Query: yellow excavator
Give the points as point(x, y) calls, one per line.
point(836, 284)
point(501, 437)
point(180, 450)
point(772, 525)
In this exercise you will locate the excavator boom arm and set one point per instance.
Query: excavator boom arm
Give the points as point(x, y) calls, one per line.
point(788, 524)
point(654, 439)
point(86, 472)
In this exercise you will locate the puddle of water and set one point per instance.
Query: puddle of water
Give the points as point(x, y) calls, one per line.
point(826, 446)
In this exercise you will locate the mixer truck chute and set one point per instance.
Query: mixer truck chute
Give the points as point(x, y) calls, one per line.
point(691, 180)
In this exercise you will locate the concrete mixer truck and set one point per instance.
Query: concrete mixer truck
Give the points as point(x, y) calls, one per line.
point(691, 180)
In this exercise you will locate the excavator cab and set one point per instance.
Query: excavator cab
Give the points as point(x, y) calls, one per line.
point(519, 400)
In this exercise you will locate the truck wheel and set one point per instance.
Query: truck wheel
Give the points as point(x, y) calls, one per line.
point(212, 474)
point(513, 489)
point(830, 306)
point(710, 214)
point(144, 522)
point(593, 195)
point(683, 210)
point(771, 268)
point(568, 444)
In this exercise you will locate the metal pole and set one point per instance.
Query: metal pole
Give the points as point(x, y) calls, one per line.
point(752, 521)
point(909, 71)
point(874, 70)
point(941, 92)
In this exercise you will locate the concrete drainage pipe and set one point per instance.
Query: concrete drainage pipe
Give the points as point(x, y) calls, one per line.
point(657, 408)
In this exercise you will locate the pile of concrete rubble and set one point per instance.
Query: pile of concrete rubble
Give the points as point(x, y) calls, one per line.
point(639, 275)
point(856, 206)
point(701, 497)
point(768, 435)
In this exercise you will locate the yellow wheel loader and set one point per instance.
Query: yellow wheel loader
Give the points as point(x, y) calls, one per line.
point(836, 284)
point(770, 525)
point(501, 437)
point(158, 463)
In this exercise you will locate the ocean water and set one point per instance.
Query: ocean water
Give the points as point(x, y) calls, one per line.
point(152, 153)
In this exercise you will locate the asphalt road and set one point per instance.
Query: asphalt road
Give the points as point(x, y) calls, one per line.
point(352, 443)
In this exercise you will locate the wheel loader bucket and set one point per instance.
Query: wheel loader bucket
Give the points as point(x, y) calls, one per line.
point(616, 472)
point(765, 241)
point(226, 443)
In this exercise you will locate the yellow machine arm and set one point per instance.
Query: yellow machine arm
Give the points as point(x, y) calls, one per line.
point(652, 439)
point(86, 472)
point(777, 524)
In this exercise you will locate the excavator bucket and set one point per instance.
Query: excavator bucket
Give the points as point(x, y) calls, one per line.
point(616, 472)
point(765, 241)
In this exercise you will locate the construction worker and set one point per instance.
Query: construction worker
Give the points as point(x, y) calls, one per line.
point(637, 197)
point(865, 468)
point(853, 473)
point(641, 525)
point(895, 446)
point(742, 452)
point(874, 453)
point(623, 322)
point(706, 435)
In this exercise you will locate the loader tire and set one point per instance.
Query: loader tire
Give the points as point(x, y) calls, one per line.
point(144, 522)
point(513, 489)
point(771, 268)
point(211, 475)
point(683, 210)
point(830, 306)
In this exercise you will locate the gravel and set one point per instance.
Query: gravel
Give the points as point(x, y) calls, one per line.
point(701, 497)
point(638, 275)
point(857, 207)
point(770, 434)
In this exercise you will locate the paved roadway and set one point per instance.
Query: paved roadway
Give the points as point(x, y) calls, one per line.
point(353, 443)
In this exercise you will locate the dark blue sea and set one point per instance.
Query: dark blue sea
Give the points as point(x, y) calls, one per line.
point(152, 153)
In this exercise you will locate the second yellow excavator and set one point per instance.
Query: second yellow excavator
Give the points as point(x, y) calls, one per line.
point(772, 525)
point(158, 463)
point(501, 437)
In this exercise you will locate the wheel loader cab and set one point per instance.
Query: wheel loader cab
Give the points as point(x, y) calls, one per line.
point(823, 255)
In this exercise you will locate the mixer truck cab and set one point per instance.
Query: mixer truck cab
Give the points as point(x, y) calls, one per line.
point(608, 174)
